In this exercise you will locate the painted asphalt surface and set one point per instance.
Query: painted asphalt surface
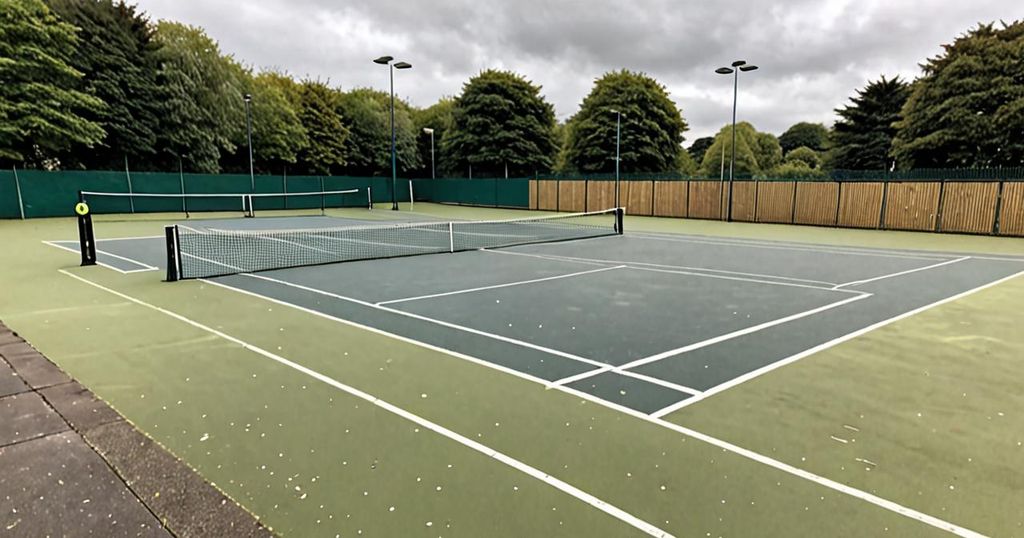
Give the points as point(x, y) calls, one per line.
point(607, 302)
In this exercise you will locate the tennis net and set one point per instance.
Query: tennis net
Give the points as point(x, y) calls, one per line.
point(247, 204)
point(195, 252)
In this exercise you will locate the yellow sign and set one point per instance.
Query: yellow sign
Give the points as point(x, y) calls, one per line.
point(82, 208)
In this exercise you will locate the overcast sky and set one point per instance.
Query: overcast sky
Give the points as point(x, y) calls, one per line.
point(813, 54)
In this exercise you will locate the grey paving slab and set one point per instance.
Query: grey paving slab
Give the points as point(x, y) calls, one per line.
point(35, 370)
point(10, 382)
point(26, 416)
point(57, 486)
point(177, 494)
point(79, 406)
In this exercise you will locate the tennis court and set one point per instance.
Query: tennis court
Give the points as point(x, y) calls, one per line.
point(617, 333)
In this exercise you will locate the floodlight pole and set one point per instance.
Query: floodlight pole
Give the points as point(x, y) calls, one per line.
point(388, 61)
point(430, 131)
point(248, 127)
point(737, 66)
point(618, 138)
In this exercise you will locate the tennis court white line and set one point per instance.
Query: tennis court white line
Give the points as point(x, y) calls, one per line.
point(145, 267)
point(661, 382)
point(455, 326)
point(496, 286)
point(724, 445)
point(129, 238)
point(129, 260)
point(901, 273)
point(821, 347)
point(644, 267)
point(826, 250)
point(509, 461)
point(101, 264)
point(683, 267)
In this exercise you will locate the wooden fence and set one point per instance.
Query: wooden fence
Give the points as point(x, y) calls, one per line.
point(974, 207)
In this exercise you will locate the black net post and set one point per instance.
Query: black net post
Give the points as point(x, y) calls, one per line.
point(86, 237)
point(173, 254)
point(618, 219)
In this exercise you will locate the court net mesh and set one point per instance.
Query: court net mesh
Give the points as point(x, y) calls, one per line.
point(195, 252)
point(248, 204)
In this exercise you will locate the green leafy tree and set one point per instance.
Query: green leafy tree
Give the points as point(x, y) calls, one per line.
point(115, 54)
point(700, 147)
point(796, 169)
point(500, 122)
point(42, 111)
point(652, 126)
point(805, 155)
point(562, 142)
point(862, 138)
point(202, 112)
point(438, 117)
point(367, 114)
point(685, 164)
point(767, 151)
point(805, 134)
point(327, 133)
point(967, 109)
point(278, 135)
point(747, 149)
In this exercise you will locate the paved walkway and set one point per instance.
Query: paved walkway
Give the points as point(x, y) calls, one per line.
point(71, 465)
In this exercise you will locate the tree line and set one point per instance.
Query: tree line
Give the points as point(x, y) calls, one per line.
point(95, 84)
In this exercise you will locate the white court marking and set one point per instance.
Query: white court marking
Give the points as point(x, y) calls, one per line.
point(146, 268)
point(791, 246)
point(496, 286)
point(901, 273)
point(509, 461)
point(821, 347)
point(724, 445)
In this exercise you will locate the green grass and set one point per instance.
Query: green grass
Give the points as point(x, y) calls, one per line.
point(259, 429)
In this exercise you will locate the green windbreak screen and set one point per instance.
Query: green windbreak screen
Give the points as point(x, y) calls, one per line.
point(8, 196)
point(485, 192)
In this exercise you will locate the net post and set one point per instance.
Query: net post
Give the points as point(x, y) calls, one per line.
point(619, 212)
point(451, 237)
point(412, 199)
point(173, 253)
point(369, 198)
point(247, 208)
point(86, 240)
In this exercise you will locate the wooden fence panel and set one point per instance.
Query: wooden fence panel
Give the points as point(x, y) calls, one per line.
point(816, 203)
point(600, 195)
point(706, 199)
point(969, 207)
point(744, 200)
point(547, 195)
point(571, 196)
point(637, 196)
point(533, 194)
point(670, 198)
point(860, 205)
point(1011, 214)
point(911, 206)
point(775, 201)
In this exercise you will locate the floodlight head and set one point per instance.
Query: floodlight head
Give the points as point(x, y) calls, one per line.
point(746, 68)
point(403, 65)
point(723, 71)
point(428, 130)
point(383, 60)
point(738, 63)
point(247, 97)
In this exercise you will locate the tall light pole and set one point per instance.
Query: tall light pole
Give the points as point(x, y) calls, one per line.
point(387, 60)
point(248, 128)
point(430, 132)
point(618, 138)
point(737, 66)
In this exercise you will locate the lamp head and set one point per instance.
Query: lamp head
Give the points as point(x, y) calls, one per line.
point(738, 63)
point(428, 130)
point(746, 68)
point(723, 71)
point(403, 65)
point(383, 60)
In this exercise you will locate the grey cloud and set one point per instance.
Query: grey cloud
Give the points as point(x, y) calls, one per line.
point(813, 53)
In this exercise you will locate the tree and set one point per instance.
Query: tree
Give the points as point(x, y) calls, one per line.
point(862, 138)
point(748, 146)
point(500, 122)
point(968, 107)
point(438, 117)
point(115, 55)
point(42, 113)
point(806, 134)
point(278, 135)
point(796, 169)
point(367, 115)
point(804, 155)
point(202, 112)
point(652, 126)
point(327, 134)
point(699, 147)
point(767, 151)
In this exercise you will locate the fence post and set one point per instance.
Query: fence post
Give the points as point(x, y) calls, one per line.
point(652, 197)
point(757, 194)
point(839, 201)
point(999, 209)
point(939, 211)
point(885, 200)
point(586, 194)
point(128, 175)
point(792, 215)
point(17, 188)
point(688, 183)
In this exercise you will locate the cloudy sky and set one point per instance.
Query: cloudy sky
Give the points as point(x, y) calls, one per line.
point(813, 54)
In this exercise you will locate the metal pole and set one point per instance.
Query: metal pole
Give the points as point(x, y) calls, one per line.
point(17, 187)
point(394, 162)
point(181, 179)
point(248, 126)
point(618, 133)
point(433, 173)
point(128, 175)
point(732, 160)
